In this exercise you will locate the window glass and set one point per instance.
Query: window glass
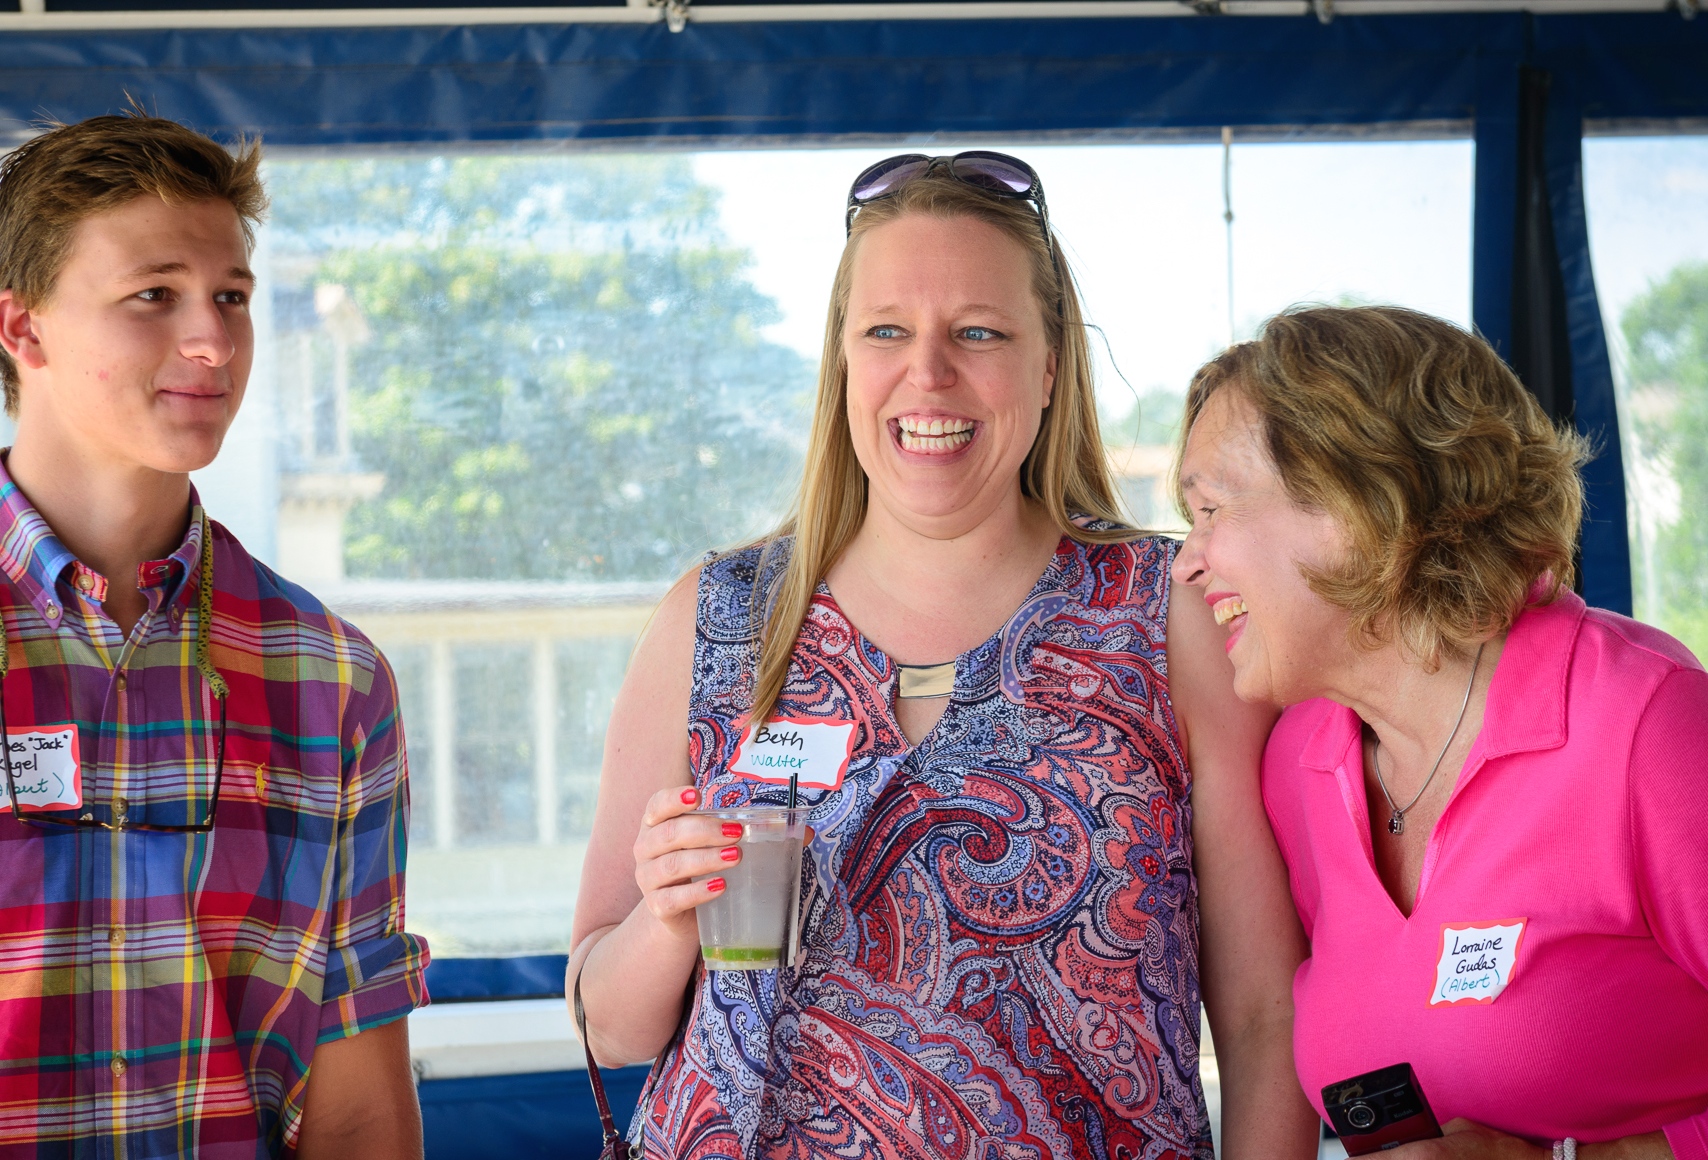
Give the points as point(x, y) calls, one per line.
point(1143, 227)
point(1649, 243)
point(502, 400)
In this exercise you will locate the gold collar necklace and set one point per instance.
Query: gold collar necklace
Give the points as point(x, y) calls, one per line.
point(925, 680)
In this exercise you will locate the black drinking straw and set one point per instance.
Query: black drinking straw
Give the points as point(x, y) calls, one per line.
point(794, 785)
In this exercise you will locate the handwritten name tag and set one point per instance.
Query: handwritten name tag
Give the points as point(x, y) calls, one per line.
point(1477, 961)
point(46, 768)
point(815, 751)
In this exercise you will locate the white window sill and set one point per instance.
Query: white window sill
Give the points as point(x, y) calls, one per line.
point(508, 1037)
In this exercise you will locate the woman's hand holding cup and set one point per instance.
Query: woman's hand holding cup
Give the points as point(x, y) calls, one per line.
point(674, 847)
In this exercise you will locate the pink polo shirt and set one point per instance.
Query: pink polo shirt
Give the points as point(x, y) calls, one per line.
point(1552, 979)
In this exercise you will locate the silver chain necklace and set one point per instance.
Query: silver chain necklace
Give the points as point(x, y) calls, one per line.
point(1397, 820)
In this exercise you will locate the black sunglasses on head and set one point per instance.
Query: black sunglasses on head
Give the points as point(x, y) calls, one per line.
point(993, 173)
point(997, 174)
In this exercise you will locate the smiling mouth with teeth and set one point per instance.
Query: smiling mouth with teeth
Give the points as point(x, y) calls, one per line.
point(1228, 608)
point(933, 435)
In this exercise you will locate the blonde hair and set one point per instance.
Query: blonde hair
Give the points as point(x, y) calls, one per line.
point(1066, 471)
point(1455, 491)
point(51, 183)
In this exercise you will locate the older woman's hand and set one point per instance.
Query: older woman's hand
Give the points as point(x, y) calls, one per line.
point(675, 846)
point(1463, 1140)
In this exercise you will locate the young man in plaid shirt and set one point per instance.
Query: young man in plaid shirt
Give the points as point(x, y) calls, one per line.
point(205, 803)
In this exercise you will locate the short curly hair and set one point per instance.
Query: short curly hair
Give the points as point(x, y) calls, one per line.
point(1459, 498)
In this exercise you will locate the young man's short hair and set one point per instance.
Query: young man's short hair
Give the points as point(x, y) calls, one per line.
point(51, 183)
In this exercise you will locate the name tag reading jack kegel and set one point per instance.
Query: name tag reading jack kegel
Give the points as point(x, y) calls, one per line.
point(817, 752)
point(46, 768)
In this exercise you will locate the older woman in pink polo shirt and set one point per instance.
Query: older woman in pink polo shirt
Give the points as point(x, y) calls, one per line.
point(1492, 799)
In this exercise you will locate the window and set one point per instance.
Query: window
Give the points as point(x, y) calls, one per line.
point(1649, 244)
point(502, 399)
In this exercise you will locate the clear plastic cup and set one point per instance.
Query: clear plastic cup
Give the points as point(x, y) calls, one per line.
point(751, 925)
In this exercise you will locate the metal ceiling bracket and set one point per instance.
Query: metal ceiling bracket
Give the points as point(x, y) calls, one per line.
point(675, 13)
point(1324, 10)
point(1206, 7)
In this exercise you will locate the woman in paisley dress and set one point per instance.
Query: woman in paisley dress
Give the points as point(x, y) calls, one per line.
point(1014, 891)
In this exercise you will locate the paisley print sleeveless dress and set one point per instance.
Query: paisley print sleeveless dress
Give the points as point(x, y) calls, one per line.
point(999, 936)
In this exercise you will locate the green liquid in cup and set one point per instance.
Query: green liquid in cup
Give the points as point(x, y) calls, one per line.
point(751, 957)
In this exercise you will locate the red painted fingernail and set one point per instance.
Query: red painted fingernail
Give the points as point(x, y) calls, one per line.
point(732, 829)
point(731, 854)
point(715, 885)
point(688, 796)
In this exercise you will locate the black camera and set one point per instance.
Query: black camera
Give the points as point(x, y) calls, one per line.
point(1379, 1110)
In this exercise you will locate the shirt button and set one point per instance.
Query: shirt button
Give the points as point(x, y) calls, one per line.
point(51, 610)
point(121, 807)
point(121, 681)
point(116, 936)
point(119, 1065)
point(85, 582)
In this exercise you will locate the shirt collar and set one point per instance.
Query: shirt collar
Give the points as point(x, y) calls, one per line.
point(1527, 699)
point(170, 575)
point(1335, 734)
point(30, 554)
point(1526, 709)
point(35, 560)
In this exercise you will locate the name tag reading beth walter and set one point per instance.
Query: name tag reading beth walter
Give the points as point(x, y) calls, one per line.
point(817, 752)
point(46, 768)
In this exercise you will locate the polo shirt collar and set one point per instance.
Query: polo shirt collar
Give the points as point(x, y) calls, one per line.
point(35, 560)
point(1526, 709)
point(1336, 733)
point(1527, 700)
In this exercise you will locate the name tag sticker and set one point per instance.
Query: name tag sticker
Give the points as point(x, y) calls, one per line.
point(1477, 961)
point(47, 768)
point(816, 751)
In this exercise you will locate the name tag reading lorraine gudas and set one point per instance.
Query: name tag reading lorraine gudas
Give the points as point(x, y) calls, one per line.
point(816, 751)
point(47, 768)
point(1477, 961)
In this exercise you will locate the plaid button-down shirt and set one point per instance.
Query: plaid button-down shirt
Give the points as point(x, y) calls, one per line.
point(162, 994)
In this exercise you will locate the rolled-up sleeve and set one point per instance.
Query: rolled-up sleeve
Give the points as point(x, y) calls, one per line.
point(375, 970)
point(1669, 835)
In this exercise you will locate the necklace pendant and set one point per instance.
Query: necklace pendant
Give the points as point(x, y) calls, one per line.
point(1397, 824)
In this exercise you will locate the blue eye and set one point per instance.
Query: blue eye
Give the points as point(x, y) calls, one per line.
point(979, 334)
point(885, 332)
